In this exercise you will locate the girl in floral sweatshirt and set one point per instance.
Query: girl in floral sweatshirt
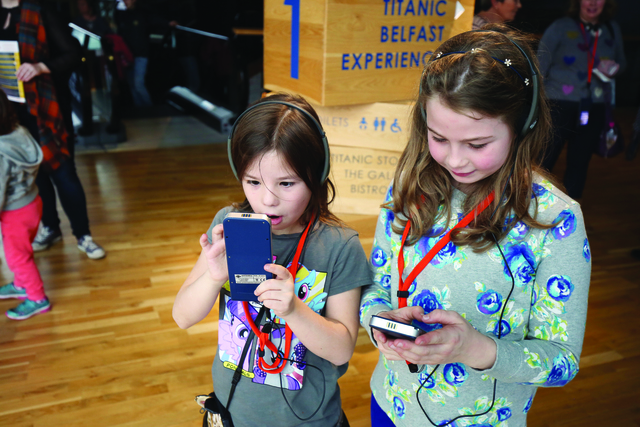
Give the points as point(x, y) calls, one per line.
point(503, 297)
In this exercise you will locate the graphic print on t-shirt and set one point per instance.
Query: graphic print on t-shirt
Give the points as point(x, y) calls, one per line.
point(233, 331)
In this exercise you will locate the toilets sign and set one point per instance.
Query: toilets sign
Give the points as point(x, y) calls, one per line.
point(339, 52)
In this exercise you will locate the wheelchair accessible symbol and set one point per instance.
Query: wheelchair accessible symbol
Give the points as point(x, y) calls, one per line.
point(379, 125)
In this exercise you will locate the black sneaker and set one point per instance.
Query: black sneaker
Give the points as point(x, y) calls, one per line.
point(45, 238)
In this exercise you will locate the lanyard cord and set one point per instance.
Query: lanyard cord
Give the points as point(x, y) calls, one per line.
point(237, 374)
point(263, 336)
point(591, 56)
point(499, 327)
point(403, 287)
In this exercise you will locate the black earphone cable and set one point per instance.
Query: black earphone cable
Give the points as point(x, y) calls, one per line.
point(271, 327)
point(324, 387)
point(499, 327)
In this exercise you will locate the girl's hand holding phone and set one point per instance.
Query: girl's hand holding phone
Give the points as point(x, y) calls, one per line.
point(216, 254)
point(386, 343)
point(278, 293)
point(457, 341)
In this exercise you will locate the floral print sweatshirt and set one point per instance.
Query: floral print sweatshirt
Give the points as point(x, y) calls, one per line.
point(542, 327)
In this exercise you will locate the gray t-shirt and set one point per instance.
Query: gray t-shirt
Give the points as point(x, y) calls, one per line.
point(333, 262)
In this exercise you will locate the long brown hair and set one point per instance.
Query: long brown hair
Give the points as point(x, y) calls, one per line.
point(290, 133)
point(477, 81)
point(8, 118)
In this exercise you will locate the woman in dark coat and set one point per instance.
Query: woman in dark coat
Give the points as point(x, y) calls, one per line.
point(48, 55)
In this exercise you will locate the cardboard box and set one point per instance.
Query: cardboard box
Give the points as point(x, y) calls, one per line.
point(343, 52)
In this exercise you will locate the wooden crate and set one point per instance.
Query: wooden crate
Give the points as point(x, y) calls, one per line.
point(365, 141)
point(380, 125)
point(361, 177)
point(343, 52)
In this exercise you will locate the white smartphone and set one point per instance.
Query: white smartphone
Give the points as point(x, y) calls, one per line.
point(248, 243)
point(395, 329)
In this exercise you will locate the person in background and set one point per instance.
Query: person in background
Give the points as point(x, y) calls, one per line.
point(48, 55)
point(133, 25)
point(496, 11)
point(576, 53)
point(89, 19)
point(20, 212)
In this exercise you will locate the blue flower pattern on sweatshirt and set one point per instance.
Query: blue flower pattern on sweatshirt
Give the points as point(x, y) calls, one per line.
point(524, 249)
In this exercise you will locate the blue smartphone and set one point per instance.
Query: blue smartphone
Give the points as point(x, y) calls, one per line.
point(248, 244)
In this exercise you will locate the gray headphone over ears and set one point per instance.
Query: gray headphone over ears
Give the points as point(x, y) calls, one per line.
point(325, 172)
point(532, 117)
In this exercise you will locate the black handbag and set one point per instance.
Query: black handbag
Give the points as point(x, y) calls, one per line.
point(215, 414)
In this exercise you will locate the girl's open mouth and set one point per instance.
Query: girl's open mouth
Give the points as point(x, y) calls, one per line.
point(275, 219)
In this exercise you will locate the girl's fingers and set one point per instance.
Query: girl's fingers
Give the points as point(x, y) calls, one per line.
point(279, 271)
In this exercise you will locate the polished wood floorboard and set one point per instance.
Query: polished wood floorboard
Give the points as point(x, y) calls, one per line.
point(109, 353)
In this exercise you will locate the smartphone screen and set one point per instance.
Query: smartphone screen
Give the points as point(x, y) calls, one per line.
point(248, 245)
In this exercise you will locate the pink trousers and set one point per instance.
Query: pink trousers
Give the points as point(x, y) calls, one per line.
point(19, 228)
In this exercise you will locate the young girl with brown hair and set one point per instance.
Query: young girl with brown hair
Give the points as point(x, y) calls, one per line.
point(279, 153)
point(476, 244)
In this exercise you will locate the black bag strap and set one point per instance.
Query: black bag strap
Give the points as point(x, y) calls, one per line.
point(237, 375)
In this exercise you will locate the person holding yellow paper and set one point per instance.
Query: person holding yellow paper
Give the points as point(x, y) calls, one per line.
point(49, 54)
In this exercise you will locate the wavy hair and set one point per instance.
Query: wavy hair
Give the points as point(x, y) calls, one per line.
point(474, 82)
point(290, 133)
point(8, 118)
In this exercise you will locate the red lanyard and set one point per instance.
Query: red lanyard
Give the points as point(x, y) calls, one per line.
point(403, 288)
point(591, 56)
point(263, 337)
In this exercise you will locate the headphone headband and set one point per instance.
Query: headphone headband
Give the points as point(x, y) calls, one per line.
point(325, 172)
point(532, 117)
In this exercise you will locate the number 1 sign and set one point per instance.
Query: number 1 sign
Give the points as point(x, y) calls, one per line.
point(341, 52)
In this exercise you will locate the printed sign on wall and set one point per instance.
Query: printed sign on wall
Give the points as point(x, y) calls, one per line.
point(362, 177)
point(339, 52)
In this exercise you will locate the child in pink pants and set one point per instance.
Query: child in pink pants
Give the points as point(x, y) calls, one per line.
point(20, 213)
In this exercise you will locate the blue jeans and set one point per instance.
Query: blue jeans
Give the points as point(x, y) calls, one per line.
point(379, 418)
point(135, 77)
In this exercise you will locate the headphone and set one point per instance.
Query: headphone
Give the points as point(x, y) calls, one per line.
point(532, 117)
point(325, 172)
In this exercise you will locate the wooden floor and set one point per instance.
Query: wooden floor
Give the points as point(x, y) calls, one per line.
point(109, 353)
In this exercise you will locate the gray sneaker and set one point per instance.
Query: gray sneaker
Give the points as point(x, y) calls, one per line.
point(91, 248)
point(45, 238)
point(28, 308)
point(11, 291)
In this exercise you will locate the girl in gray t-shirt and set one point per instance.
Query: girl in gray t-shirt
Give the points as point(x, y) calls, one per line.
point(307, 331)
